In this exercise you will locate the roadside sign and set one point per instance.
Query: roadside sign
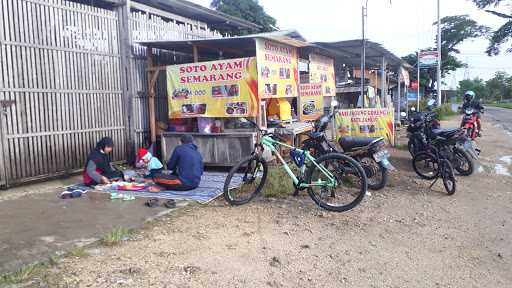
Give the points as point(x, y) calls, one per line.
point(428, 59)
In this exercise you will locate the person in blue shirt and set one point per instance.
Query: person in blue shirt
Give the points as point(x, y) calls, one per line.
point(186, 163)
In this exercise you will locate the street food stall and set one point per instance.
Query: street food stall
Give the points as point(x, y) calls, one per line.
point(254, 76)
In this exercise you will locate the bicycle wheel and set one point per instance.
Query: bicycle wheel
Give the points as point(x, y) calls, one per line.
point(448, 176)
point(425, 165)
point(245, 180)
point(351, 182)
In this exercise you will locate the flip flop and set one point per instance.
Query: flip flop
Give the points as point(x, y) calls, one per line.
point(151, 203)
point(170, 204)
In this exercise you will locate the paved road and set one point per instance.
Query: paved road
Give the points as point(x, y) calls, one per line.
point(500, 115)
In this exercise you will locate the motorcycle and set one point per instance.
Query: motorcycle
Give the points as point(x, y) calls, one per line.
point(370, 152)
point(424, 132)
point(469, 123)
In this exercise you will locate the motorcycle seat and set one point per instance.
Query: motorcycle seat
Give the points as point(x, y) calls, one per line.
point(350, 143)
point(446, 133)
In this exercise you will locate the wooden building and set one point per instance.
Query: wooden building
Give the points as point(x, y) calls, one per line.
point(70, 74)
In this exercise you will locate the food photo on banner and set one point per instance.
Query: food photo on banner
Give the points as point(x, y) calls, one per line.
point(371, 122)
point(311, 101)
point(277, 69)
point(224, 88)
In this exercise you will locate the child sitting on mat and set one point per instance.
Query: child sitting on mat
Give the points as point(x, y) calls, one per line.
point(148, 161)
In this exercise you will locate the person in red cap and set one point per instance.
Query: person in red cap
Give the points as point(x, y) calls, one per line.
point(148, 161)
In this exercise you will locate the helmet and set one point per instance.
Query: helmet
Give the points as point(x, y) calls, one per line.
point(469, 96)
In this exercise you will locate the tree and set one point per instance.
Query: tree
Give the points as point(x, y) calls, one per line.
point(497, 88)
point(502, 34)
point(476, 85)
point(454, 31)
point(249, 10)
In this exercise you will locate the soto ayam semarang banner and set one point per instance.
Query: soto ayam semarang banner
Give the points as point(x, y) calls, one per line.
point(311, 101)
point(370, 122)
point(321, 70)
point(224, 88)
point(278, 69)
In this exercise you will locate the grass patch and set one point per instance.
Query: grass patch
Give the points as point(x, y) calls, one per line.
point(502, 105)
point(279, 184)
point(445, 111)
point(78, 252)
point(23, 274)
point(116, 236)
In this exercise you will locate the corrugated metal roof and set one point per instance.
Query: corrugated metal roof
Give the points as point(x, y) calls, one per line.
point(197, 12)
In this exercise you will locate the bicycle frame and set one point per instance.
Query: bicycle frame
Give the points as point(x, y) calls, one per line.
point(270, 143)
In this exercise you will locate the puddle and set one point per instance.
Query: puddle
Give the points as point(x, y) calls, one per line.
point(501, 170)
point(506, 159)
point(480, 169)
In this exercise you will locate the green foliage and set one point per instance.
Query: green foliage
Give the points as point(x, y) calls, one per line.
point(23, 274)
point(116, 236)
point(498, 88)
point(503, 34)
point(78, 252)
point(249, 10)
point(279, 184)
point(445, 111)
point(502, 105)
point(454, 30)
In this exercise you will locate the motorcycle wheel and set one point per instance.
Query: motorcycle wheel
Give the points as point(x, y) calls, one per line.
point(462, 162)
point(426, 165)
point(376, 174)
point(411, 146)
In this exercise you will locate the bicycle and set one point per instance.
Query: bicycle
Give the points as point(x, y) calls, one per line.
point(322, 177)
point(435, 165)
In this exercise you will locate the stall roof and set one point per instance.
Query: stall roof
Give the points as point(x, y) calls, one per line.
point(349, 52)
point(240, 44)
point(198, 12)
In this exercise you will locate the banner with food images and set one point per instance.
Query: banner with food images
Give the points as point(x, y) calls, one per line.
point(321, 70)
point(224, 88)
point(371, 122)
point(277, 69)
point(311, 101)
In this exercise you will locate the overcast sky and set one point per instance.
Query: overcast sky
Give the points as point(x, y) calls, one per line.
point(402, 27)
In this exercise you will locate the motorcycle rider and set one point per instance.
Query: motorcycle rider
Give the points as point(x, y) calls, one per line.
point(471, 102)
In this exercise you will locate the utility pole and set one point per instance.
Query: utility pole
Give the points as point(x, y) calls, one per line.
point(418, 80)
point(438, 53)
point(363, 53)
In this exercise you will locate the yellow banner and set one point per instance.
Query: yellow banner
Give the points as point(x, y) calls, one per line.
point(311, 101)
point(277, 69)
point(321, 70)
point(224, 88)
point(371, 122)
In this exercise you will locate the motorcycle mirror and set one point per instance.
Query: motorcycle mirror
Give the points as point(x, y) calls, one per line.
point(403, 114)
point(334, 103)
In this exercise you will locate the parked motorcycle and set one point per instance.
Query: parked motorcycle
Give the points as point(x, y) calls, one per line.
point(424, 132)
point(370, 152)
point(469, 123)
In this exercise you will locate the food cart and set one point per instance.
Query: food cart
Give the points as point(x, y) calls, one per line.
point(275, 79)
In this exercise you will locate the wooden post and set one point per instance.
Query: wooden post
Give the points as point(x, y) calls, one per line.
point(195, 53)
point(152, 74)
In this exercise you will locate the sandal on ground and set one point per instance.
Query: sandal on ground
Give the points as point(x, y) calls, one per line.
point(152, 203)
point(170, 204)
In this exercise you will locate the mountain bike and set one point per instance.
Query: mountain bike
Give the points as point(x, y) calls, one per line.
point(432, 165)
point(334, 181)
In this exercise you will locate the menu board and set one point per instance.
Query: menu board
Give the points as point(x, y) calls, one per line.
point(224, 88)
point(277, 69)
point(321, 70)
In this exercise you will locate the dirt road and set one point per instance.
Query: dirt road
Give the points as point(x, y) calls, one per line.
point(403, 236)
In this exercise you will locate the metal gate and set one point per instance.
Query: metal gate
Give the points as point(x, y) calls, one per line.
point(59, 85)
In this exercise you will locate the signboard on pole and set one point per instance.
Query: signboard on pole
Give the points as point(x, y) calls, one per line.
point(224, 88)
point(321, 70)
point(428, 59)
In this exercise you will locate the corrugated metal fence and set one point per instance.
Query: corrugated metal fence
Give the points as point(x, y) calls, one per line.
point(59, 85)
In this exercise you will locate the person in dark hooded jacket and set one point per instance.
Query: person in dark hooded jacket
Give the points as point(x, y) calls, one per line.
point(98, 169)
point(187, 165)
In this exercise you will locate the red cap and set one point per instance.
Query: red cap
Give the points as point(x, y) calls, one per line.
point(142, 152)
